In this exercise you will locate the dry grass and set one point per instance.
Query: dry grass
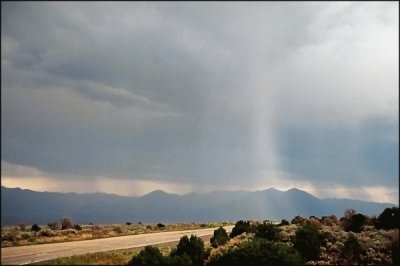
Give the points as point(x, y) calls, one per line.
point(116, 257)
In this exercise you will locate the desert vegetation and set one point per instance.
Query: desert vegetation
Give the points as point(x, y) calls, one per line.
point(67, 230)
point(353, 239)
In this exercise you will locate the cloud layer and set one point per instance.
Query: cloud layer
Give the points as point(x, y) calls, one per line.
point(206, 95)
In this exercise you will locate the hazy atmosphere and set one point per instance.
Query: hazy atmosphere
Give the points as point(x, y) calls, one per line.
point(130, 97)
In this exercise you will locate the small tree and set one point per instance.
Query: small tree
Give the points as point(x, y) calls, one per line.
point(128, 223)
point(66, 223)
point(35, 228)
point(308, 241)
point(395, 253)
point(77, 227)
point(240, 228)
point(149, 256)
point(388, 219)
point(220, 237)
point(298, 220)
point(352, 249)
point(354, 223)
point(161, 226)
point(193, 247)
point(284, 222)
point(268, 231)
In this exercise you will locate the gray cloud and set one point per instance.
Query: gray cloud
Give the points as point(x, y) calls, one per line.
point(202, 92)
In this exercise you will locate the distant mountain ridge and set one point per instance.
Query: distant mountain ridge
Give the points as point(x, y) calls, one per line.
point(27, 206)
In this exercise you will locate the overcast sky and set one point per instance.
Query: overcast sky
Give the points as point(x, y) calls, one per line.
point(129, 97)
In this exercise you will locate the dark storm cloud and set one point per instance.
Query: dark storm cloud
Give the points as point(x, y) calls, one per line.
point(202, 92)
point(334, 153)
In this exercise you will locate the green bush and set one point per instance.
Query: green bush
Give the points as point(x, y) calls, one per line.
point(352, 249)
point(240, 228)
point(298, 220)
point(148, 256)
point(284, 222)
point(220, 237)
point(308, 241)
point(354, 223)
point(161, 226)
point(259, 252)
point(193, 247)
point(77, 227)
point(152, 256)
point(128, 223)
point(395, 253)
point(268, 231)
point(35, 228)
point(388, 219)
point(183, 260)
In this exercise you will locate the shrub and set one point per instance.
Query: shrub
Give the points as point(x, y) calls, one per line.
point(240, 228)
point(66, 223)
point(260, 252)
point(77, 227)
point(148, 256)
point(284, 222)
point(268, 231)
point(128, 223)
point(47, 232)
point(308, 241)
point(148, 227)
point(118, 229)
point(220, 237)
point(161, 226)
point(12, 236)
point(35, 228)
point(329, 220)
point(68, 232)
point(183, 260)
point(388, 219)
point(314, 221)
point(140, 223)
point(193, 247)
point(25, 235)
point(22, 227)
point(395, 253)
point(298, 220)
point(54, 226)
point(352, 249)
point(354, 223)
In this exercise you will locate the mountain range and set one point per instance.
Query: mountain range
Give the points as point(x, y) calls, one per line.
point(26, 206)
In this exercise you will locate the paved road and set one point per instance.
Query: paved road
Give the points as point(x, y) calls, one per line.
point(34, 253)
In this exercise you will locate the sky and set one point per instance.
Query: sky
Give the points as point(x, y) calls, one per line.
point(130, 97)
